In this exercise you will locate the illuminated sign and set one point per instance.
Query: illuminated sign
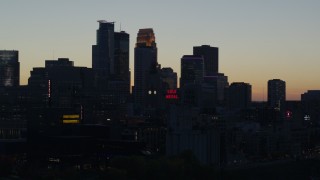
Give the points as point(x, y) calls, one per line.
point(71, 116)
point(70, 119)
point(171, 94)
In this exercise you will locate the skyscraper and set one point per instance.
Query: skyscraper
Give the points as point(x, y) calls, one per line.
point(239, 95)
point(121, 63)
point(121, 56)
point(191, 70)
point(9, 68)
point(145, 60)
point(110, 62)
point(213, 90)
point(103, 52)
point(169, 77)
point(210, 57)
point(276, 93)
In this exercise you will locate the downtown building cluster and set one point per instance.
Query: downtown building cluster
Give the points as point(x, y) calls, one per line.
point(79, 113)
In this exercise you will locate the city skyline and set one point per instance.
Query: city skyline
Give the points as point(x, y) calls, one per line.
point(257, 41)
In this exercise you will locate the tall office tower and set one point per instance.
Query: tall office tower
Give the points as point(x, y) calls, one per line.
point(145, 59)
point(103, 53)
point(169, 77)
point(9, 68)
point(121, 81)
point(213, 90)
point(239, 95)
point(191, 70)
point(210, 57)
point(276, 93)
point(121, 56)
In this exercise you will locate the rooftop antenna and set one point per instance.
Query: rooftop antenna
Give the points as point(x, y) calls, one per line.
point(263, 94)
point(53, 54)
point(120, 26)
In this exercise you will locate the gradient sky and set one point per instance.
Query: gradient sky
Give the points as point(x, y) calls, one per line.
point(258, 40)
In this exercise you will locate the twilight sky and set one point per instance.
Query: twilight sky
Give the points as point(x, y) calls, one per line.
point(258, 40)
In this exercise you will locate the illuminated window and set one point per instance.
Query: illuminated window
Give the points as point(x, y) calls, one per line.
point(71, 121)
point(71, 116)
point(307, 118)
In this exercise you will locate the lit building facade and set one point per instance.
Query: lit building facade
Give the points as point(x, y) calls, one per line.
point(9, 68)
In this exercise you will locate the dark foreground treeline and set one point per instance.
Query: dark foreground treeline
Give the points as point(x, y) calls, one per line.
point(184, 166)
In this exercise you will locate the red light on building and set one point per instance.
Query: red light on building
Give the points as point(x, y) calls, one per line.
point(172, 94)
point(288, 114)
point(171, 91)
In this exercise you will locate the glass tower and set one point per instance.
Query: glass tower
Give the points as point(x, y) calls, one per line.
point(276, 93)
point(210, 56)
point(9, 68)
point(103, 52)
point(145, 58)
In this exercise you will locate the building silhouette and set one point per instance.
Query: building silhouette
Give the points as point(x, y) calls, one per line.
point(59, 83)
point(311, 95)
point(169, 77)
point(121, 56)
point(9, 68)
point(213, 90)
point(120, 83)
point(13, 114)
point(210, 58)
point(191, 70)
point(145, 59)
point(276, 93)
point(103, 53)
point(154, 100)
point(239, 95)
point(110, 64)
point(191, 129)
point(311, 107)
point(80, 117)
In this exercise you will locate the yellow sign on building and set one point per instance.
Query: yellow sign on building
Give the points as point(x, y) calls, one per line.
point(71, 119)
